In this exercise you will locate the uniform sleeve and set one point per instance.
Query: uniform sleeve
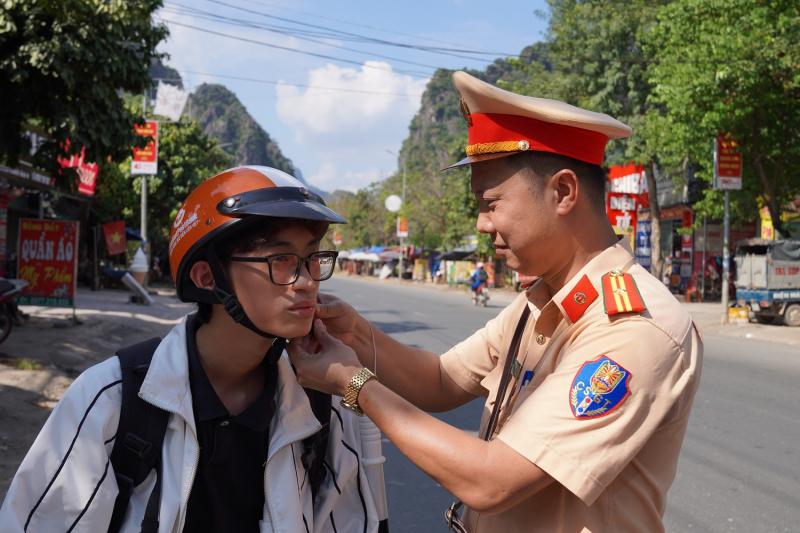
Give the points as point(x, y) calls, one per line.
point(66, 481)
point(472, 360)
point(605, 398)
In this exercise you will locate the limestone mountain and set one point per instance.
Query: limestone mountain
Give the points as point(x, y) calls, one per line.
point(438, 132)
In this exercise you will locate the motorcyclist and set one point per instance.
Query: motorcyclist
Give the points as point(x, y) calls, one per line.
point(479, 279)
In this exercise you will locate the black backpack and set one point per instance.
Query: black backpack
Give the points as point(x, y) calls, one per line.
point(482, 275)
point(142, 427)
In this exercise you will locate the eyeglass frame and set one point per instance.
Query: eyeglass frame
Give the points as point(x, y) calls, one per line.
point(301, 261)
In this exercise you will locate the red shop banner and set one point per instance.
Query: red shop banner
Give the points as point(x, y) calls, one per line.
point(48, 261)
point(87, 172)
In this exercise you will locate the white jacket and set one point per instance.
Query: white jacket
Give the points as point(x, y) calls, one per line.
point(66, 482)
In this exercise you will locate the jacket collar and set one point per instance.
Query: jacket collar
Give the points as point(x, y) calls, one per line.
point(167, 386)
point(585, 287)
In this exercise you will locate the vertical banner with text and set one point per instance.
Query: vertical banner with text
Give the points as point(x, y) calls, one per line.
point(402, 227)
point(48, 261)
point(145, 160)
point(729, 164)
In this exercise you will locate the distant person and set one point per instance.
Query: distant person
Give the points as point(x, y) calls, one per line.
point(588, 376)
point(245, 448)
point(479, 279)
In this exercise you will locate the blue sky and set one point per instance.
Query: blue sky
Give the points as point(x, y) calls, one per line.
point(338, 117)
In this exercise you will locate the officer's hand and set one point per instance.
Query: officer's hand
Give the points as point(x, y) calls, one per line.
point(338, 316)
point(330, 369)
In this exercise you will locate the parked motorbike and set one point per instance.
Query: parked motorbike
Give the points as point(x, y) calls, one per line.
point(481, 295)
point(10, 315)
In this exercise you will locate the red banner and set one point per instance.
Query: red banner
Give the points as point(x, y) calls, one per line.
point(402, 227)
point(686, 222)
point(87, 172)
point(114, 233)
point(729, 162)
point(145, 160)
point(630, 179)
point(48, 261)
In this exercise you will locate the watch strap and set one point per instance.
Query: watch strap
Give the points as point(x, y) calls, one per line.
point(350, 400)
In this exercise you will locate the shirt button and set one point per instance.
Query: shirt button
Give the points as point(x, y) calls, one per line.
point(540, 339)
point(224, 423)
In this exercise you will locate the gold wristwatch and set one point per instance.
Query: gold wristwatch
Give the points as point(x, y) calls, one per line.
point(350, 400)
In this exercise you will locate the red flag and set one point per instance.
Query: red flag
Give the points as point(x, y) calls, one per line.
point(115, 237)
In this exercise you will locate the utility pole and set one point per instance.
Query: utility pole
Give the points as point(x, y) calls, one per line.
point(726, 254)
point(402, 247)
point(143, 212)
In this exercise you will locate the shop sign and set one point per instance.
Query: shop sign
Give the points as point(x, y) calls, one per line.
point(87, 172)
point(621, 209)
point(729, 164)
point(145, 160)
point(643, 251)
point(48, 261)
point(402, 227)
point(686, 223)
point(630, 179)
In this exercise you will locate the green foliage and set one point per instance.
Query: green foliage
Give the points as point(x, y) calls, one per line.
point(63, 65)
point(600, 64)
point(27, 364)
point(367, 220)
point(730, 66)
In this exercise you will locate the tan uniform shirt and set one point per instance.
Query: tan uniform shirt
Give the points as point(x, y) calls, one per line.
point(614, 459)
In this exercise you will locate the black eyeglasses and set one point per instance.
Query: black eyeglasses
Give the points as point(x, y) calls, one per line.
point(284, 269)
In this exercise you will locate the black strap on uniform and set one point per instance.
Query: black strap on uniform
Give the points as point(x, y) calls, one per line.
point(140, 436)
point(454, 522)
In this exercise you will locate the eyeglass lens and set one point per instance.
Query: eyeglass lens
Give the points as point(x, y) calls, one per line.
point(285, 267)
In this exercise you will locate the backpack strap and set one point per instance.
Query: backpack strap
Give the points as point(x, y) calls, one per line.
point(140, 436)
point(316, 446)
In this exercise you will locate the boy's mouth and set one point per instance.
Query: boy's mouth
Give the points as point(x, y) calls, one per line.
point(305, 308)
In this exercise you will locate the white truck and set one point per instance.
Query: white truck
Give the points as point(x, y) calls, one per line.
point(768, 279)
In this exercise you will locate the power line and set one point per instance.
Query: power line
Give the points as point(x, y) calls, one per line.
point(348, 22)
point(273, 82)
point(300, 35)
point(363, 38)
point(287, 48)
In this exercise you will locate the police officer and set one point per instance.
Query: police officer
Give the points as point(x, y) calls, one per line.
point(589, 375)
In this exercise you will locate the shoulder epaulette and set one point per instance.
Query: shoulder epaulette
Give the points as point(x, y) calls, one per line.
point(620, 294)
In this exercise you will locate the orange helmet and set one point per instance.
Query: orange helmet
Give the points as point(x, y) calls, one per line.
point(219, 205)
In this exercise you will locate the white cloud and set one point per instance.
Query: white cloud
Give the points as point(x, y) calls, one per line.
point(350, 130)
point(330, 178)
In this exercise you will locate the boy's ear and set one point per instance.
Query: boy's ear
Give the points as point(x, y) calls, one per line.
point(201, 275)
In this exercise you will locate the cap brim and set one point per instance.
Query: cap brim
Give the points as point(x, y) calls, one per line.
point(469, 160)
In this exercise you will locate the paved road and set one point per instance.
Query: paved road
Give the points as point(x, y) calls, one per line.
point(740, 465)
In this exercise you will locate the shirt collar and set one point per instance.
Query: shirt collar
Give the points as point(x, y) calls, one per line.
point(206, 403)
point(553, 307)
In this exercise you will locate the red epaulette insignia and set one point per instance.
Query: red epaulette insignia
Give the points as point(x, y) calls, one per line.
point(620, 294)
point(581, 296)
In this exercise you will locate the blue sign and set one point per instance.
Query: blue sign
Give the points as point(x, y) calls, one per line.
point(643, 249)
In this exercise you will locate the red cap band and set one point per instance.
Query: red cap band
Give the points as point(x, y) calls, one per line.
point(584, 145)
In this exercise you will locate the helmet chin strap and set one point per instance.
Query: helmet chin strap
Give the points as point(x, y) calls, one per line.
point(225, 296)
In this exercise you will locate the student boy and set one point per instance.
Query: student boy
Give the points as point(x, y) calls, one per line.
point(240, 436)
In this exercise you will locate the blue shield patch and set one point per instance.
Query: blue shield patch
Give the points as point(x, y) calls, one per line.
point(599, 387)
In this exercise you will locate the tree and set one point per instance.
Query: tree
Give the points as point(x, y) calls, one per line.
point(731, 66)
point(600, 63)
point(63, 65)
point(186, 158)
